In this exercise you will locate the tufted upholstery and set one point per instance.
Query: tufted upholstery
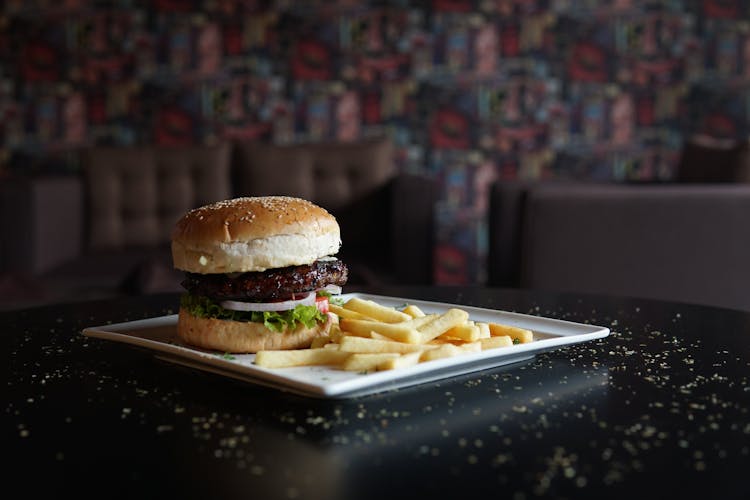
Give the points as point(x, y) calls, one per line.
point(135, 195)
point(112, 224)
point(332, 175)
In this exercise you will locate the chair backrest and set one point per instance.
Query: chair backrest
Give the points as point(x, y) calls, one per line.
point(705, 160)
point(135, 195)
point(332, 175)
point(686, 243)
point(40, 223)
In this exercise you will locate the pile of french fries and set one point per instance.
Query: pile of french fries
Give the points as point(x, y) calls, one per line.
point(370, 337)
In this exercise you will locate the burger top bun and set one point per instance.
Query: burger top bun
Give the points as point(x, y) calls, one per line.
point(253, 234)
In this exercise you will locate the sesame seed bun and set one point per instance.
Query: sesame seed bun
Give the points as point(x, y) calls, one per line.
point(253, 234)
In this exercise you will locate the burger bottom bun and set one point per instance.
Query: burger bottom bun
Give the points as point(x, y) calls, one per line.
point(241, 336)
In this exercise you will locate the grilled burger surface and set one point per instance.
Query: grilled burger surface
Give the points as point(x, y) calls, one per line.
point(272, 284)
point(258, 273)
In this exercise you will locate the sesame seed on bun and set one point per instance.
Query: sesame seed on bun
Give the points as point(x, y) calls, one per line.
point(253, 234)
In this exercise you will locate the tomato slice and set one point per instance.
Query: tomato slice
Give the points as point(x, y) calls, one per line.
point(321, 302)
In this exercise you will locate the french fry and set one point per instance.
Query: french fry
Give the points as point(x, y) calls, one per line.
point(377, 336)
point(484, 330)
point(300, 357)
point(467, 332)
point(472, 346)
point(419, 322)
point(444, 351)
point(359, 331)
point(414, 311)
point(444, 322)
point(320, 342)
point(343, 312)
point(365, 345)
point(376, 311)
point(365, 362)
point(515, 333)
point(369, 336)
point(495, 342)
point(402, 361)
point(444, 340)
point(394, 331)
point(335, 332)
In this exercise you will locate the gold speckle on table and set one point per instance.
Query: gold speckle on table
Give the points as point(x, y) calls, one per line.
point(686, 397)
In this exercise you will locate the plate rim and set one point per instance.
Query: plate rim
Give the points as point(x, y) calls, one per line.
point(354, 384)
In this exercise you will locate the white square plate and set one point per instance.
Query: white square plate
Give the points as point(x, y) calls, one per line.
point(160, 335)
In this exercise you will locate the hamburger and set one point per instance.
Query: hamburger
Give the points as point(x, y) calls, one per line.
point(259, 272)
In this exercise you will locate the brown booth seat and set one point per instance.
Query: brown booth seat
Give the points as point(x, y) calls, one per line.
point(106, 231)
point(684, 242)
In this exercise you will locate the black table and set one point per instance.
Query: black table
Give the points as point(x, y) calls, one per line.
point(660, 408)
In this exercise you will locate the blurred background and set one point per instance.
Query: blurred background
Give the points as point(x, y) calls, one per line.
point(470, 92)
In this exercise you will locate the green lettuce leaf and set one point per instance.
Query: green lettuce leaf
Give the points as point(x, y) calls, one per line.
point(278, 321)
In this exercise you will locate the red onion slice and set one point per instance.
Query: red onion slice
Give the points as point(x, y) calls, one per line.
point(285, 305)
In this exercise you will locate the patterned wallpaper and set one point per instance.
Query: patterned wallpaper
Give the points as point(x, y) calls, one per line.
point(471, 91)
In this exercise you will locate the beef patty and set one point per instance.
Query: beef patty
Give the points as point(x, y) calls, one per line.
point(272, 284)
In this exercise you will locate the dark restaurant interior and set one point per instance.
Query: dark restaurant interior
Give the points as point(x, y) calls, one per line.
point(543, 210)
point(589, 146)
